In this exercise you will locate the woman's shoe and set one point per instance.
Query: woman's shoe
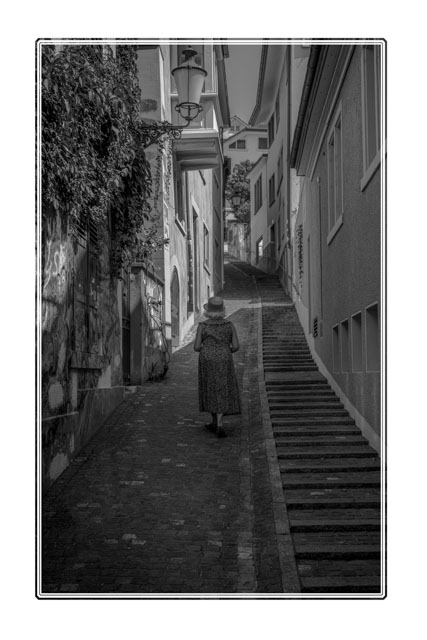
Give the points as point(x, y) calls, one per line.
point(211, 427)
point(220, 432)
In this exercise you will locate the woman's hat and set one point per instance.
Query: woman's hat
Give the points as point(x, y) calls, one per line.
point(214, 304)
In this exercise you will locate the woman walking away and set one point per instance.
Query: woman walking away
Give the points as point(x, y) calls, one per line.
point(215, 341)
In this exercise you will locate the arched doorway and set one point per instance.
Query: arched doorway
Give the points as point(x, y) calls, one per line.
point(175, 308)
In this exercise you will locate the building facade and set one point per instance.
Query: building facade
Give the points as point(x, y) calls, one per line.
point(101, 335)
point(244, 143)
point(282, 70)
point(337, 252)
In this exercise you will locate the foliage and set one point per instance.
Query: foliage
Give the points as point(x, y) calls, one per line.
point(93, 161)
point(238, 182)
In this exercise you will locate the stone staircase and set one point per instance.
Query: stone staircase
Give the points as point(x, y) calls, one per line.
point(330, 474)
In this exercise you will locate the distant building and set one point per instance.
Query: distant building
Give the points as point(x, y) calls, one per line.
point(247, 143)
point(282, 72)
point(236, 125)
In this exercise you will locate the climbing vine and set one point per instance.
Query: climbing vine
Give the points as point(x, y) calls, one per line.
point(94, 167)
point(239, 182)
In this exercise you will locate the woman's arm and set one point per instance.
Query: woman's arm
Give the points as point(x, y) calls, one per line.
point(234, 340)
point(198, 340)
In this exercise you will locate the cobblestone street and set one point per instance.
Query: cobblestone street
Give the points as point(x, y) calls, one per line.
point(155, 503)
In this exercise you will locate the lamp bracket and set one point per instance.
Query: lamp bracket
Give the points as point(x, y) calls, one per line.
point(153, 132)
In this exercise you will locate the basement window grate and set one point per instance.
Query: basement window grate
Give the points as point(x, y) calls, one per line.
point(315, 327)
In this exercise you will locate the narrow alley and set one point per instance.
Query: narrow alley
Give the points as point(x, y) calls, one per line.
point(155, 503)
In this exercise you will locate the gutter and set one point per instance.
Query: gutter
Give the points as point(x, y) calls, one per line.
point(261, 77)
point(222, 53)
point(308, 84)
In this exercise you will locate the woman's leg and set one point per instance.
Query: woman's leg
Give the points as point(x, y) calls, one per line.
point(212, 425)
point(220, 429)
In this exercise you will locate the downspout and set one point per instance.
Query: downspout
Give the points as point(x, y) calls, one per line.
point(190, 264)
point(321, 254)
point(289, 266)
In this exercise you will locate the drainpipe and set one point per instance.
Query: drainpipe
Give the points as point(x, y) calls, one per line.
point(190, 262)
point(321, 253)
point(289, 266)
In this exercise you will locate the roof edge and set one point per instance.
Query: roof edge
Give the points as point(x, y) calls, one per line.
point(261, 78)
point(305, 97)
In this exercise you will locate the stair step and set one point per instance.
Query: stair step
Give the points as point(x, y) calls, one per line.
point(316, 431)
point(334, 551)
point(326, 481)
point(301, 396)
point(312, 421)
point(341, 584)
point(328, 465)
point(336, 502)
point(305, 412)
point(300, 526)
point(324, 441)
point(332, 404)
point(299, 384)
point(284, 452)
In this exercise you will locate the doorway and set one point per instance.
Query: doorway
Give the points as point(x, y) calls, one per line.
point(175, 316)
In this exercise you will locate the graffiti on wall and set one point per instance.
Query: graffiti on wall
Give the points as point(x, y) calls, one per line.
point(154, 306)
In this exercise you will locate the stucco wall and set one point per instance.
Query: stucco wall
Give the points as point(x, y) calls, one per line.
point(347, 270)
point(78, 391)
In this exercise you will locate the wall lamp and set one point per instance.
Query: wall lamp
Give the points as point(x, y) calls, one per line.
point(189, 78)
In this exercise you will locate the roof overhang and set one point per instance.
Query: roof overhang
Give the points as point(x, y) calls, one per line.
point(271, 65)
point(198, 149)
point(325, 73)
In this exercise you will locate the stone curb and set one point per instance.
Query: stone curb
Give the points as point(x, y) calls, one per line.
point(288, 568)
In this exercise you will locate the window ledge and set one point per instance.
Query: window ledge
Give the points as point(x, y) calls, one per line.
point(180, 226)
point(337, 226)
point(370, 172)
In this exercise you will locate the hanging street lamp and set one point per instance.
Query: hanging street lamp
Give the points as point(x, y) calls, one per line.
point(189, 78)
point(236, 199)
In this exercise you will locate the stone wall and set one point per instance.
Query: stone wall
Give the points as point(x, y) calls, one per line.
point(79, 386)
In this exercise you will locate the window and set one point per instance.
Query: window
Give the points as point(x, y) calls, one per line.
point(259, 248)
point(86, 282)
point(206, 246)
point(232, 145)
point(371, 104)
point(262, 143)
point(271, 130)
point(241, 144)
point(271, 190)
point(277, 111)
point(280, 169)
point(356, 342)
point(335, 178)
point(345, 352)
point(336, 355)
point(372, 339)
point(180, 190)
point(272, 234)
point(258, 194)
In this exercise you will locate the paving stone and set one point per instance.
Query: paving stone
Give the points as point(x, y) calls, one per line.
point(155, 503)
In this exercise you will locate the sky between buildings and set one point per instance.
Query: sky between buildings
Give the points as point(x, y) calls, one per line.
point(242, 69)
